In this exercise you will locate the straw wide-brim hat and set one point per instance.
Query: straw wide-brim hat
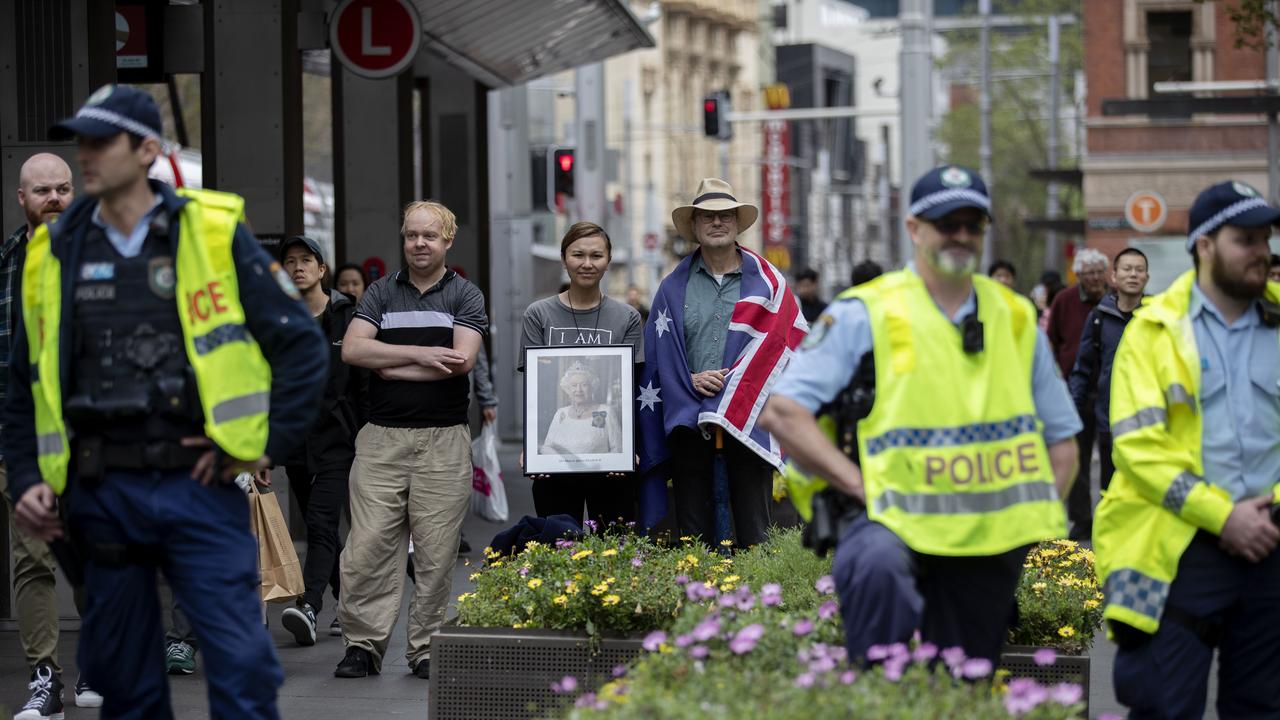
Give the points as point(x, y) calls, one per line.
point(714, 195)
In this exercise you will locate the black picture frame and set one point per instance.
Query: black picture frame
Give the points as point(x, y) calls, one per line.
point(579, 413)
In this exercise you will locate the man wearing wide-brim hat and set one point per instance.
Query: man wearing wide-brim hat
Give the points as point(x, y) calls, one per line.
point(722, 325)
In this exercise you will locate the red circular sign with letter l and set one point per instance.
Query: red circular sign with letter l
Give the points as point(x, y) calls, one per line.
point(375, 38)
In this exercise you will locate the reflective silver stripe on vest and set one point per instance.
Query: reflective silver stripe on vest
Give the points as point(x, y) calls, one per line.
point(243, 406)
point(1179, 489)
point(969, 502)
point(219, 336)
point(1139, 420)
point(1136, 591)
point(952, 436)
point(49, 444)
point(1178, 394)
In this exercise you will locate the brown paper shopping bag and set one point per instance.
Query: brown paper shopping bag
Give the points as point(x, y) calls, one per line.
point(277, 560)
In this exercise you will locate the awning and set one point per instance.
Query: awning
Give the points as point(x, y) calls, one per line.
point(509, 42)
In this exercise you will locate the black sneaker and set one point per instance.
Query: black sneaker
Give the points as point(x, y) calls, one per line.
point(46, 696)
point(301, 621)
point(463, 545)
point(335, 628)
point(86, 696)
point(179, 658)
point(423, 669)
point(357, 663)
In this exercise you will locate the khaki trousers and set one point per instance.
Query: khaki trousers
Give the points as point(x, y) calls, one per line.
point(403, 480)
point(33, 589)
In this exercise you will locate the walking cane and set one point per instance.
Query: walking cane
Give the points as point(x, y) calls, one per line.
point(720, 493)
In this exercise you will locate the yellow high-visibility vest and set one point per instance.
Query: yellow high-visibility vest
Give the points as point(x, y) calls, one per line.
point(233, 377)
point(1158, 496)
point(952, 455)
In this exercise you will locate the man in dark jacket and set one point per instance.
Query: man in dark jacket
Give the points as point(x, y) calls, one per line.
point(1090, 378)
point(318, 470)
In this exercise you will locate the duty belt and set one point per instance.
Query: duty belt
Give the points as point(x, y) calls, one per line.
point(159, 455)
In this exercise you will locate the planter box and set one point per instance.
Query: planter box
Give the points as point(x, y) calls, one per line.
point(1018, 660)
point(506, 674)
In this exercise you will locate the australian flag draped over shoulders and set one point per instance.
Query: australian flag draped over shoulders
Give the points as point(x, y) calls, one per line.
point(765, 329)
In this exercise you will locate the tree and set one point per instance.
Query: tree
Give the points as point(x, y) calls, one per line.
point(1019, 126)
point(1251, 18)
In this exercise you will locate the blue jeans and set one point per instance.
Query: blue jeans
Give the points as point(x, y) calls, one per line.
point(209, 559)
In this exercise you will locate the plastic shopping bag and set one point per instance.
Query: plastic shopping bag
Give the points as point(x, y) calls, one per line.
point(489, 495)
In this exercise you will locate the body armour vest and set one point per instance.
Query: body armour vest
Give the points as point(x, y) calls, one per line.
point(133, 381)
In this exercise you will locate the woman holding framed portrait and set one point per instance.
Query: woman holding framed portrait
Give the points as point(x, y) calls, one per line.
point(579, 389)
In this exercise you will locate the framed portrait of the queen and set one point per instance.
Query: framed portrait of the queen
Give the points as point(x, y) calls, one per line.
point(578, 414)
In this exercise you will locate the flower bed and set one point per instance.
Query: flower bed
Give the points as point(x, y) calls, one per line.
point(1059, 602)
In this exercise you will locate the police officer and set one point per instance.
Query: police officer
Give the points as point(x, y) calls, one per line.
point(1184, 537)
point(160, 353)
point(967, 448)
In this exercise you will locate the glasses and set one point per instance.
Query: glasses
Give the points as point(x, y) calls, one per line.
point(725, 216)
point(951, 227)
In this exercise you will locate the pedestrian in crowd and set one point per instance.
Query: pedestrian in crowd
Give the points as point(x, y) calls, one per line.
point(318, 470)
point(1067, 316)
point(1053, 285)
point(350, 281)
point(1273, 274)
point(583, 315)
point(1090, 379)
point(1186, 535)
point(942, 540)
point(420, 330)
point(162, 409)
point(811, 305)
point(724, 323)
point(180, 642)
point(865, 272)
point(1003, 272)
point(633, 299)
point(44, 191)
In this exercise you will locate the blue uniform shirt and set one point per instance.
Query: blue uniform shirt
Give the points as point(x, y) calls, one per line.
point(127, 245)
point(816, 375)
point(1240, 398)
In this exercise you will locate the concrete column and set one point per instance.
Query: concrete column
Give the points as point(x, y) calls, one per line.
point(589, 177)
point(511, 237)
point(917, 104)
point(372, 165)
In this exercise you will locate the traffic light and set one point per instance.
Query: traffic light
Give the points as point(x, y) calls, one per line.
point(715, 115)
point(562, 171)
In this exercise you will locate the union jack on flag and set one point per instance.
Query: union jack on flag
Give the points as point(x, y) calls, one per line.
point(764, 331)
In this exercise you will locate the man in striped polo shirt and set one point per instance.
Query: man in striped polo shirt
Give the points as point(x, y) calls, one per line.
point(419, 330)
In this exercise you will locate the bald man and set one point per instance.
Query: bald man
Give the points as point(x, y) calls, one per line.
point(44, 191)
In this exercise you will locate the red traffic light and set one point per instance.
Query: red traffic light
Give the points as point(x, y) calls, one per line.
point(709, 106)
point(566, 161)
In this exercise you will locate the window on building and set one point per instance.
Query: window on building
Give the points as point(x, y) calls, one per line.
point(780, 17)
point(1169, 57)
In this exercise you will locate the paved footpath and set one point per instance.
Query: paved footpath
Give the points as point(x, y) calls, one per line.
point(311, 692)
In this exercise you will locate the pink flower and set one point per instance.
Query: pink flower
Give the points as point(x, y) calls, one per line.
point(771, 595)
point(893, 668)
point(707, 629)
point(924, 652)
point(953, 657)
point(876, 653)
point(847, 677)
point(698, 652)
point(636, 562)
point(684, 641)
point(654, 640)
point(619, 671)
point(1066, 693)
point(746, 639)
point(1045, 656)
point(822, 664)
point(826, 585)
point(1109, 716)
point(1024, 695)
point(524, 571)
point(805, 680)
point(975, 668)
point(564, 685)
point(682, 580)
point(828, 610)
point(803, 627)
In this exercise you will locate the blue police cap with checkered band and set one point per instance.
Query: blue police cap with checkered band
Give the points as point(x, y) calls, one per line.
point(948, 188)
point(1229, 203)
point(110, 110)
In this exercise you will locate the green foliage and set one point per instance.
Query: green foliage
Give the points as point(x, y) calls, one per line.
point(1059, 604)
point(620, 583)
point(1252, 18)
point(783, 560)
point(1019, 126)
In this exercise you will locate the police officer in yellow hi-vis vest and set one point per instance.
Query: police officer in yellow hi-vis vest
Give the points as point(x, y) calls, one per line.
point(969, 444)
point(160, 353)
point(1185, 535)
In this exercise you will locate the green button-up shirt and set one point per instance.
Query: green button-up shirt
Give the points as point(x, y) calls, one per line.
point(708, 307)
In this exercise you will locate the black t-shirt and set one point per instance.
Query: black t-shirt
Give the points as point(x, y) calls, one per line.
point(405, 316)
